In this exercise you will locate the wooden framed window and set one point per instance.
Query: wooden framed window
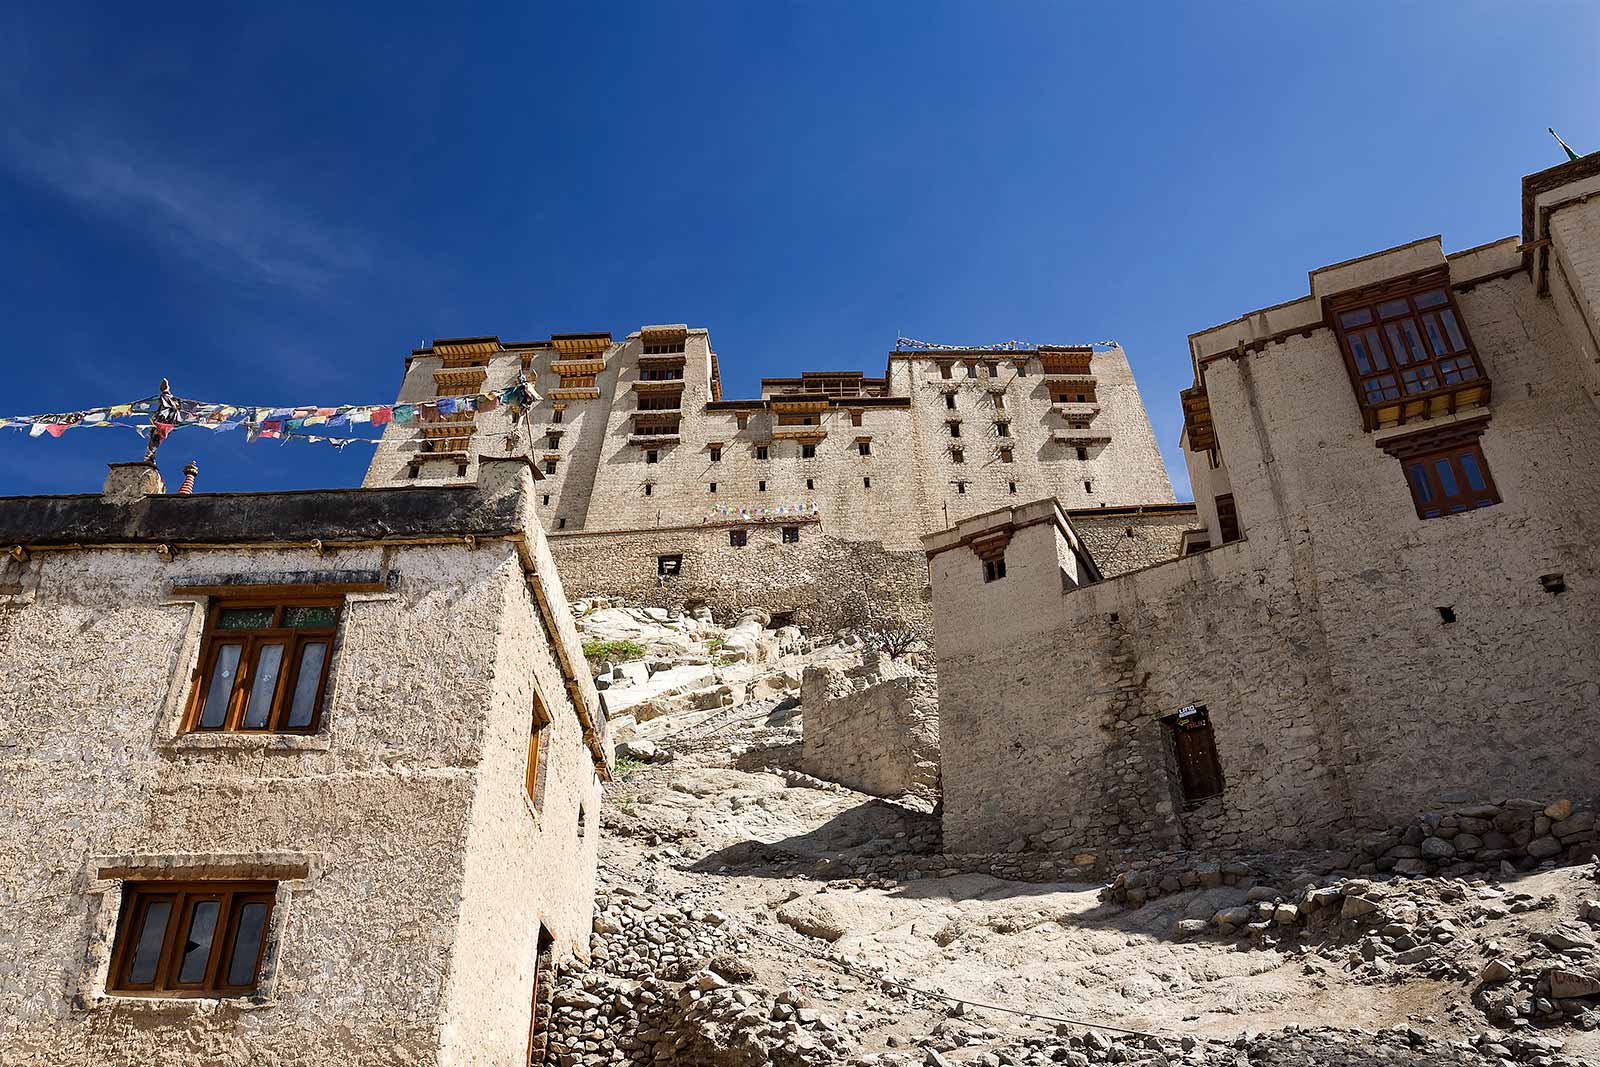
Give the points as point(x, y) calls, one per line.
point(1227, 519)
point(716, 453)
point(738, 538)
point(669, 566)
point(1404, 342)
point(855, 418)
point(761, 451)
point(1194, 746)
point(864, 448)
point(994, 569)
point(191, 939)
point(791, 535)
point(1002, 429)
point(808, 451)
point(742, 420)
point(264, 665)
point(1445, 471)
point(538, 753)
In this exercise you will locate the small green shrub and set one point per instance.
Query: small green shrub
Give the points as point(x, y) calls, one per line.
point(627, 766)
point(613, 650)
point(714, 643)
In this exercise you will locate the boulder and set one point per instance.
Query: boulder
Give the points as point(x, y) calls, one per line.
point(1495, 971)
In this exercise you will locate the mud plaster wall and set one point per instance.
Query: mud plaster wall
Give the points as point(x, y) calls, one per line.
point(373, 814)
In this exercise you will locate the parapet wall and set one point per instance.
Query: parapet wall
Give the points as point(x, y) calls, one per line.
point(819, 581)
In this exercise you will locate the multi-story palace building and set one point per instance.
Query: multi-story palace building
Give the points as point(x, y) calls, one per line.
point(812, 497)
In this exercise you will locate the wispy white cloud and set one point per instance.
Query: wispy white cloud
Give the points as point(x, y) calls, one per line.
point(224, 225)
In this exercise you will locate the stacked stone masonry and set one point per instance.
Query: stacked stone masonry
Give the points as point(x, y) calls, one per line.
point(872, 728)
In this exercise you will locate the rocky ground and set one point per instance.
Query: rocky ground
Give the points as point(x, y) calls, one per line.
point(750, 914)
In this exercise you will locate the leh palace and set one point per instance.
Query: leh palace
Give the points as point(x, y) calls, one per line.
point(898, 716)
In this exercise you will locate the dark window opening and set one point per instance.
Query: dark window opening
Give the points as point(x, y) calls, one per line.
point(808, 451)
point(961, 488)
point(761, 487)
point(1002, 429)
point(955, 429)
point(791, 535)
point(545, 500)
point(944, 370)
point(994, 569)
point(191, 939)
point(716, 455)
point(555, 416)
point(549, 467)
point(866, 483)
point(972, 370)
point(1194, 747)
point(1227, 519)
point(950, 401)
point(1083, 453)
point(738, 538)
point(669, 566)
point(713, 487)
point(761, 451)
point(864, 447)
point(957, 456)
point(461, 470)
point(1447, 615)
point(1554, 584)
point(855, 418)
point(649, 489)
point(561, 524)
point(652, 456)
point(810, 483)
point(742, 420)
point(1088, 487)
point(1013, 488)
point(552, 441)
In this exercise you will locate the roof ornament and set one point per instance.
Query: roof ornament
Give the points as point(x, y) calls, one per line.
point(166, 416)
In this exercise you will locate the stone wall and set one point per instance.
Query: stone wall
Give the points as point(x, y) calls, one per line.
point(873, 728)
point(820, 581)
point(413, 876)
point(1359, 664)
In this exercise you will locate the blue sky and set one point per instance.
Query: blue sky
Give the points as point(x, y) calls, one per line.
point(274, 207)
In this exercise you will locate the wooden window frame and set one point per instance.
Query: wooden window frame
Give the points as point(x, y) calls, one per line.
point(738, 538)
point(182, 898)
point(535, 772)
point(293, 639)
point(994, 569)
point(791, 535)
point(1386, 385)
point(1420, 454)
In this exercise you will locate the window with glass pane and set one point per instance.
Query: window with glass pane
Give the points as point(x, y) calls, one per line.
point(1450, 481)
point(191, 939)
point(264, 666)
point(1406, 345)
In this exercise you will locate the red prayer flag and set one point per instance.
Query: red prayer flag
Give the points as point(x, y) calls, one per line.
point(382, 416)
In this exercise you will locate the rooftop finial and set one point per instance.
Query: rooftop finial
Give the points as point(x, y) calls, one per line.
point(189, 473)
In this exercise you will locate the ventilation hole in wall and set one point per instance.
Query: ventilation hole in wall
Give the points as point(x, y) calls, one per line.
point(1553, 583)
point(1112, 616)
point(1447, 615)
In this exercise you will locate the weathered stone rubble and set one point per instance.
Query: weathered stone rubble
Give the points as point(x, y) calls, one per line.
point(1511, 836)
point(665, 985)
